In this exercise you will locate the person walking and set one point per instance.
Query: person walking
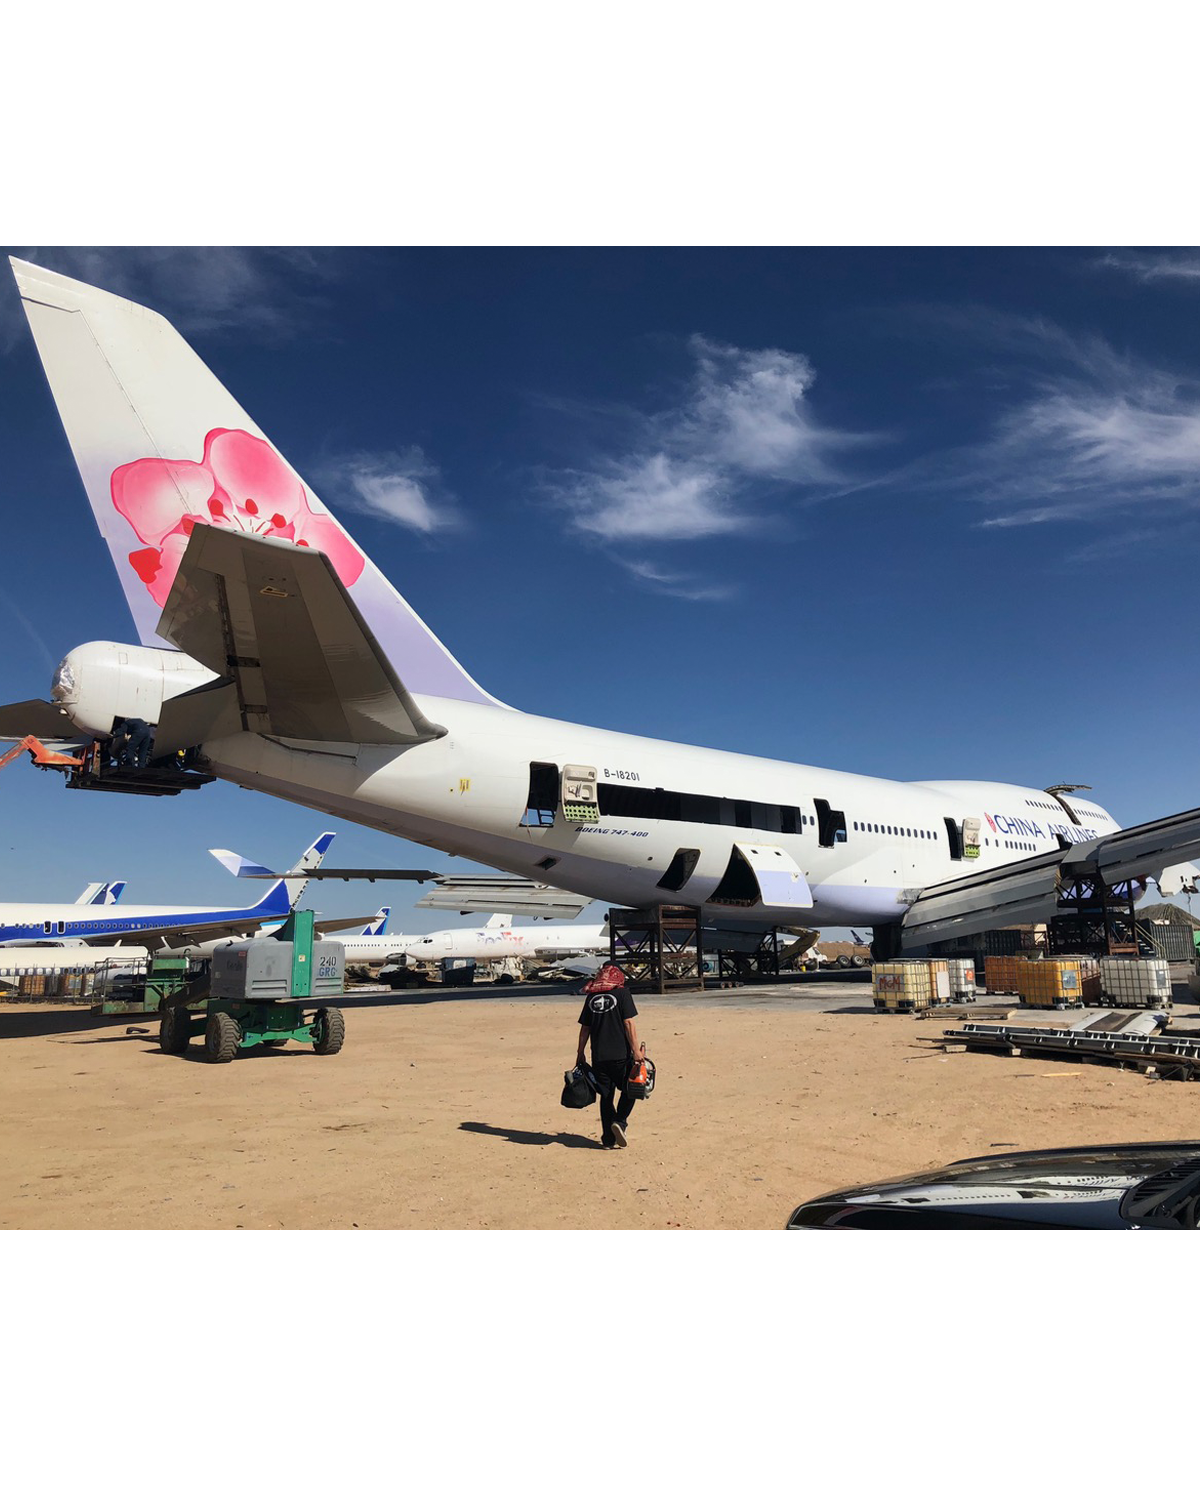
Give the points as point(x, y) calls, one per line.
point(607, 1021)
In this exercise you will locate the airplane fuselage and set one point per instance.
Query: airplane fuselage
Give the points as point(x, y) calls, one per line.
point(34, 922)
point(865, 845)
point(480, 943)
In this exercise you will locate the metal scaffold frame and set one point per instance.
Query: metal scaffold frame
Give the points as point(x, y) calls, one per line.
point(658, 947)
point(1096, 918)
point(763, 963)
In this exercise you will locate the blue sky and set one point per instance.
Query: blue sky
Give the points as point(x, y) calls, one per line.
point(909, 512)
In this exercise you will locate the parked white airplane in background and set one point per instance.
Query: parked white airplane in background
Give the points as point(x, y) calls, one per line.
point(298, 670)
point(495, 940)
point(28, 923)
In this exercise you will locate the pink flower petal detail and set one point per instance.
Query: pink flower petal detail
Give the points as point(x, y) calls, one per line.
point(243, 484)
point(252, 474)
point(173, 548)
point(324, 533)
point(153, 494)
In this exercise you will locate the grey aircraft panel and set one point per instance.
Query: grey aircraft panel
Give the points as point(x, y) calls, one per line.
point(1029, 890)
point(276, 619)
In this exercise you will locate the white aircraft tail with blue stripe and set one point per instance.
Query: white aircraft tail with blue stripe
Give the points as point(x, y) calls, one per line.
point(101, 893)
point(284, 894)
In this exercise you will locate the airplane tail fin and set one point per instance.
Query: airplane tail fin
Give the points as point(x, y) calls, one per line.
point(161, 444)
point(309, 860)
point(377, 926)
point(101, 893)
point(286, 892)
point(500, 919)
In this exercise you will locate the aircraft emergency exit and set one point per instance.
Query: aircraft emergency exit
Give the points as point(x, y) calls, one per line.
point(277, 655)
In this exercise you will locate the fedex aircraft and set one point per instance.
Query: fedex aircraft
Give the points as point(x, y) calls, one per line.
point(275, 650)
point(31, 922)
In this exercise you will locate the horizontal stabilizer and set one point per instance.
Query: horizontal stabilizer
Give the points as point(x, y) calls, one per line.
point(247, 870)
point(237, 864)
point(35, 716)
point(336, 924)
point(528, 898)
point(277, 622)
point(208, 712)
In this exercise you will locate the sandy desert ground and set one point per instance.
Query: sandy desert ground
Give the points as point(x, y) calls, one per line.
point(447, 1116)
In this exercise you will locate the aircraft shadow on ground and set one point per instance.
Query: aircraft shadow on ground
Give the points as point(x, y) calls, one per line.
point(532, 1137)
point(376, 1001)
point(51, 1023)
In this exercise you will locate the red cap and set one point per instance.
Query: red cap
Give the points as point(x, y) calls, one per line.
point(609, 978)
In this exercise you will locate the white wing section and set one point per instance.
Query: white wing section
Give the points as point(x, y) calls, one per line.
point(467, 893)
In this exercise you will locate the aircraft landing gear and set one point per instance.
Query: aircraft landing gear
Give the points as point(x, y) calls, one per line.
point(885, 942)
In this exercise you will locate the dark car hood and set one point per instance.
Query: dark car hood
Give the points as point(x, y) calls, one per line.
point(1086, 1187)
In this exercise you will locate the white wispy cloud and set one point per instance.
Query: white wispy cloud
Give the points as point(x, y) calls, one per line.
point(678, 585)
point(1153, 265)
point(652, 497)
point(405, 488)
point(1077, 447)
point(749, 413)
point(1088, 430)
point(743, 435)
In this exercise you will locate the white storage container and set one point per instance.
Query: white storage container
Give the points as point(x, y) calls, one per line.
point(1135, 982)
point(962, 978)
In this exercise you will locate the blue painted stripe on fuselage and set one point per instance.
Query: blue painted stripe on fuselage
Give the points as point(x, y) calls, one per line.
point(273, 904)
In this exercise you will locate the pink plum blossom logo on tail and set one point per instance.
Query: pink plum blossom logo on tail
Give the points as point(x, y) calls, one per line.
point(240, 482)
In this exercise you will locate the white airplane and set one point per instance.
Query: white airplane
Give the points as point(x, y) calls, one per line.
point(99, 893)
point(496, 939)
point(29, 923)
point(277, 654)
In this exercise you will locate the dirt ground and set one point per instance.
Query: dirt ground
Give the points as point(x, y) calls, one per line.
point(447, 1116)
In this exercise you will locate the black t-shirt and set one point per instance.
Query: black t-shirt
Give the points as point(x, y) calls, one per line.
point(605, 1015)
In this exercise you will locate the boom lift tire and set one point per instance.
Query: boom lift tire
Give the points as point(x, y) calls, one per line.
point(222, 1037)
point(174, 1029)
point(331, 1031)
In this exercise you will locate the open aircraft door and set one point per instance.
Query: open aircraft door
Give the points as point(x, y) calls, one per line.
point(762, 873)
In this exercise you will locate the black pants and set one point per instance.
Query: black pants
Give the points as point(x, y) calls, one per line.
point(610, 1077)
point(139, 746)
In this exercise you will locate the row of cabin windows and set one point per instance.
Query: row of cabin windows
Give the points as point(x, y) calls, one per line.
point(658, 804)
point(903, 833)
point(662, 805)
point(693, 807)
point(61, 927)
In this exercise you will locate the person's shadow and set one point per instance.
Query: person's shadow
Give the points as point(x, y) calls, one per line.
point(532, 1137)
